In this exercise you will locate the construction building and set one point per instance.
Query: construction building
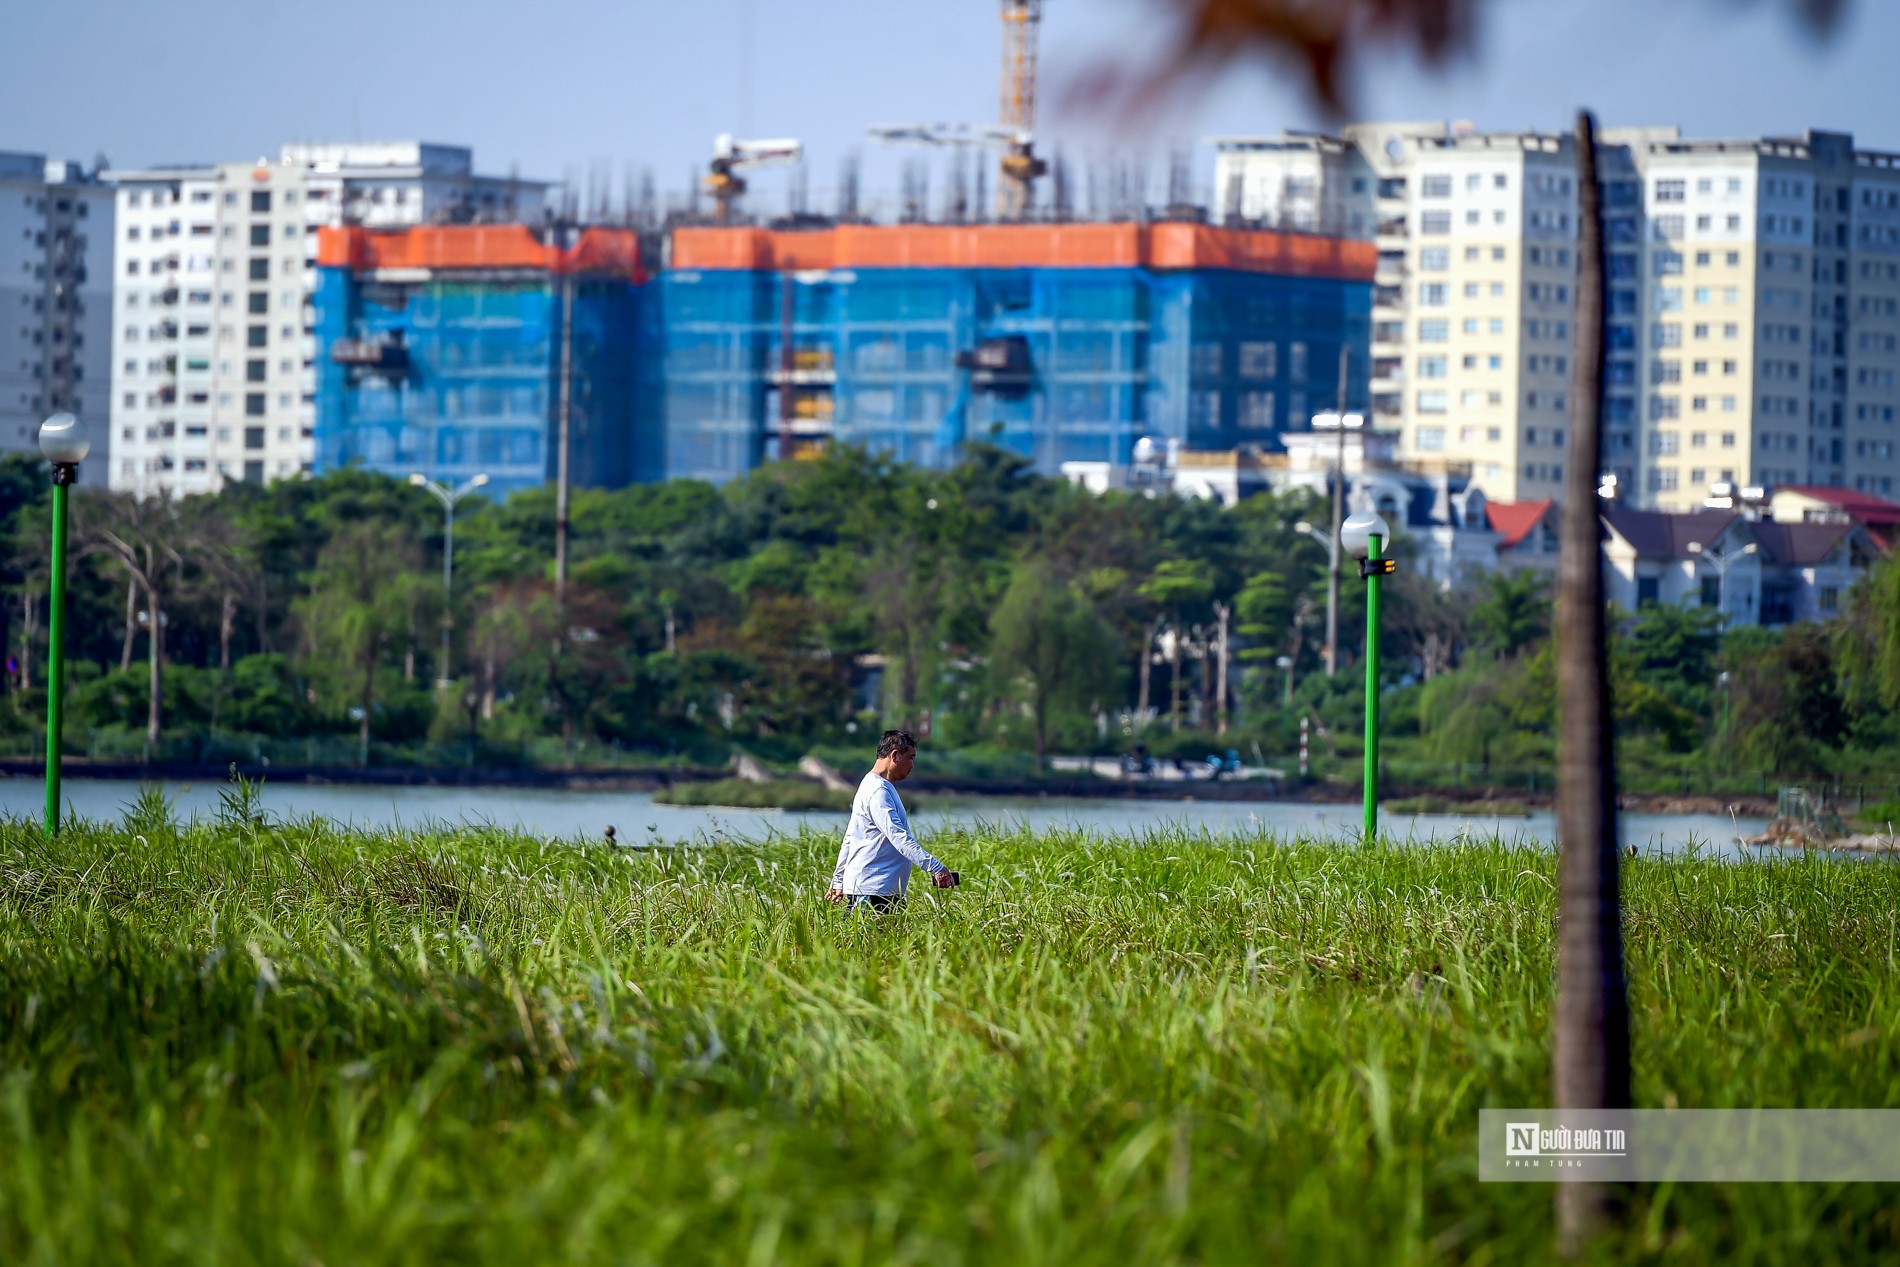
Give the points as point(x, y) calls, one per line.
point(1063, 342)
point(443, 350)
point(1754, 295)
point(214, 265)
point(55, 302)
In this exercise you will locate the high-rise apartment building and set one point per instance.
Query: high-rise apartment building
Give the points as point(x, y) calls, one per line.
point(55, 301)
point(1759, 281)
point(1752, 296)
point(1474, 296)
point(214, 268)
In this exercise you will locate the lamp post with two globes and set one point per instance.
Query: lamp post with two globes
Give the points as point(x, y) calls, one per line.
point(448, 497)
point(64, 441)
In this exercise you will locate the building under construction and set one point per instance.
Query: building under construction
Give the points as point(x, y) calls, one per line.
point(1063, 342)
point(441, 350)
point(442, 346)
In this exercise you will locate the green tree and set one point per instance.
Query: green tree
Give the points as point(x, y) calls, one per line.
point(1050, 649)
point(1513, 615)
point(1176, 587)
point(362, 597)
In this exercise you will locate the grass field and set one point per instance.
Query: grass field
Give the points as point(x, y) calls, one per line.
point(246, 1042)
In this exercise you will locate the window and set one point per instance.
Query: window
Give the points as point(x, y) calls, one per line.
point(1432, 294)
point(254, 371)
point(1296, 361)
point(1434, 330)
point(1702, 330)
point(1431, 439)
point(260, 200)
point(1435, 222)
point(1666, 263)
point(1434, 402)
point(254, 406)
point(260, 235)
point(1434, 259)
point(259, 302)
point(1435, 187)
point(1257, 359)
point(1668, 227)
point(1256, 410)
point(259, 336)
point(1431, 367)
point(260, 269)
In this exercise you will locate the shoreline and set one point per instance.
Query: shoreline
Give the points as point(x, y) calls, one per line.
point(652, 779)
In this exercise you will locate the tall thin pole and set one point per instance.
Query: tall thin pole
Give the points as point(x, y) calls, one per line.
point(1339, 502)
point(442, 673)
point(1591, 1048)
point(566, 411)
point(56, 652)
point(1373, 545)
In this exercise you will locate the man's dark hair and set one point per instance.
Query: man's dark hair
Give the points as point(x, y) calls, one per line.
point(895, 741)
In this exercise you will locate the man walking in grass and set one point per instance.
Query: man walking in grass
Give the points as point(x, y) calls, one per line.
point(878, 852)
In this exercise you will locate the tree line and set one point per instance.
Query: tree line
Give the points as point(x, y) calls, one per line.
point(807, 601)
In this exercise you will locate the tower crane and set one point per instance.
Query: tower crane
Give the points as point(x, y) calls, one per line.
point(1014, 133)
point(723, 181)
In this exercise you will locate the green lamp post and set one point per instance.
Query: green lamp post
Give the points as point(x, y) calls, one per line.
point(64, 441)
point(1365, 535)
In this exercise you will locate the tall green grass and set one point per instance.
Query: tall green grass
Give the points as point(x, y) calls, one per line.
point(245, 1042)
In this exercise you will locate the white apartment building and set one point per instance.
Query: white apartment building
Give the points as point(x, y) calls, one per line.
point(55, 302)
point(1474, 295)
point(1761, 288)
point(1751, 290)
point(213, 359)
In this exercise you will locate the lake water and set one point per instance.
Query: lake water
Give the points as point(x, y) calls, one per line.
point(636, 819)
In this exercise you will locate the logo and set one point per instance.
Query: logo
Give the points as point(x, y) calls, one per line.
point(1532, 1144)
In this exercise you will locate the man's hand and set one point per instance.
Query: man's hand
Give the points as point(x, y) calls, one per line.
point(946, 879)
point(834, 896)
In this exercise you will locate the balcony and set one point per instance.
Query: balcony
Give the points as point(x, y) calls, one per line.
point(1393, 227)
point(999, 364)
point(386, 355)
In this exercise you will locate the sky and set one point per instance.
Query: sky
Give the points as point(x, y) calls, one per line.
point(602, 89)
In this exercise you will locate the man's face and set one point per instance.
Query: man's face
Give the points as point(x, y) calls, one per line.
point(901, 762)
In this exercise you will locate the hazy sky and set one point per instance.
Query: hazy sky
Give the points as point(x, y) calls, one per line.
point(566, 85)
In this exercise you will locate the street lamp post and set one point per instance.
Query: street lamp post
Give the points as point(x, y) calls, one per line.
point(1341, 423)
point(1723, 561)
point(64, 441)
point(1364, 535)
point(448, 497)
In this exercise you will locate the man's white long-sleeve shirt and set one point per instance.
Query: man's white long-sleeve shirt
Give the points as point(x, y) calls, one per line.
point(878, 850)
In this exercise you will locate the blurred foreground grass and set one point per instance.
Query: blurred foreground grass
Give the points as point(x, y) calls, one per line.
point(244, 1042)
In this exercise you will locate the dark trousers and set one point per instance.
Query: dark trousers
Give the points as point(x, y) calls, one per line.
point(876, 903)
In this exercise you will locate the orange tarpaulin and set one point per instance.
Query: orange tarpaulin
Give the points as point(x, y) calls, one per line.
point(471, 246)
point(1088, 245)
